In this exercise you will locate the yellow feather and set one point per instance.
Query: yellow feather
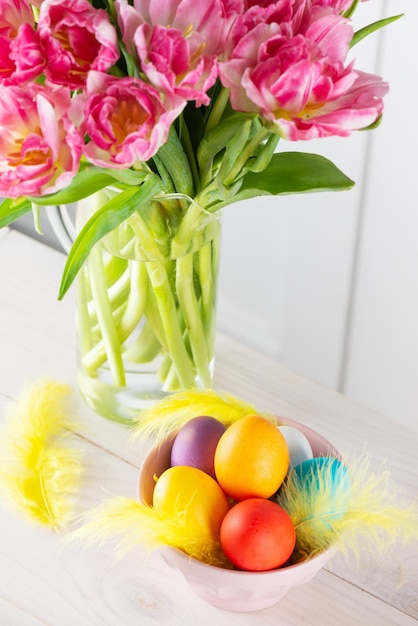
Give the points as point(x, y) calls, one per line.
point(129, 524)
point(368, 516)
point(39, 474)
point(171, 413)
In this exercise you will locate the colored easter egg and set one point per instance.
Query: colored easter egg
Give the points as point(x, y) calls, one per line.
point(194, 498)
point(195, 443)
point(257, 535)
point(316, 470)
point(326, 486)
point(299, 447)
point(251, 458)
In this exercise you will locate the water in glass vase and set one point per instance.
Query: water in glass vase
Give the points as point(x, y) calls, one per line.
point(146, 307)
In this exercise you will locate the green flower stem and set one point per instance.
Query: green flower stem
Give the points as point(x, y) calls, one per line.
point(159, 281)
point(207, 269)
point(163, 173)
point(192, 317)
point(205, 279)
point(218, 109)
point(175, 160)
point(136, 300)
point(171, 380)
point(234, 149)
point(187, 143)
point(167, 372)
point(129, 317)
point(153, 317)
point(197, 330)
point(83, 317)
point(165, 366)
point(146, 244)
point(117, 293)
point(265, 154)
point(105, 318)
point(170, 289)
point(145, 348)
point(168, 312)
point(243, 157)
point(191, 223)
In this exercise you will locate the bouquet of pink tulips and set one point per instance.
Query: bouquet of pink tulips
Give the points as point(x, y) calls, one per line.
point(172, 99)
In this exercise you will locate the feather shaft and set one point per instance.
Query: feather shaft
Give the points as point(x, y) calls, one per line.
point(129, 524)
point(40, 475)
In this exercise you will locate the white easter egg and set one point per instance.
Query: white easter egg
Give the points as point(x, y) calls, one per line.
point(299, 447)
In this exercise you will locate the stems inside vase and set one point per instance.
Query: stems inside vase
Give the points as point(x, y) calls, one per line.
point(150, 319)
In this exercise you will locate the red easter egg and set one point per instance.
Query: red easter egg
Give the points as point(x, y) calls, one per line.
point(257, 535)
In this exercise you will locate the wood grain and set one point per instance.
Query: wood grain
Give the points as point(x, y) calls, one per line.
point(42, 584)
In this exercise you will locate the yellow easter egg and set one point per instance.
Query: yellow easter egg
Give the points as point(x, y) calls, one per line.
point(192, 495)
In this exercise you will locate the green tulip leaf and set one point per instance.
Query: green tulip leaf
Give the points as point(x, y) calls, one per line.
point(371, 28)
point(88, 181)
point(351, 9)
point(294, 172)
point(106, 219)
point(13, 208)
point(216, 140)
point(176, 163)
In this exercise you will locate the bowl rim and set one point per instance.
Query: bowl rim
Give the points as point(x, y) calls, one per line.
point(283, 570)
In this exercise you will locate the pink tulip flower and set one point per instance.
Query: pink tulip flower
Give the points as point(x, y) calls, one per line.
point(27, 53)
point(339, 5)
point(353, 108)
point(40, 146)
point(293, 74)
point(126, 120)
point(234, 7)
point(21, 56)
point(13, 13)
point(77, 38)
point(177, 43)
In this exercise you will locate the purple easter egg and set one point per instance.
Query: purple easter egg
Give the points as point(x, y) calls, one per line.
point(196, 442)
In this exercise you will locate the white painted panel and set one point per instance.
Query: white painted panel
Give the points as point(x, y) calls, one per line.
point(382, 368)
point(285, 274)
point(287, 262)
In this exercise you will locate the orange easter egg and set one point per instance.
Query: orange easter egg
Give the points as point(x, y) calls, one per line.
point(251, 458)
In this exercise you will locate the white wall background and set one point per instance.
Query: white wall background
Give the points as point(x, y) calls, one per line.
point(328, 283)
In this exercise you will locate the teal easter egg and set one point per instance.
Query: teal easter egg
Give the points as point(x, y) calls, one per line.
point(326, 483)
point(326, 467)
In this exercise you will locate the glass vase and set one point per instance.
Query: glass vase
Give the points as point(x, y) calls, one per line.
point(146, 306)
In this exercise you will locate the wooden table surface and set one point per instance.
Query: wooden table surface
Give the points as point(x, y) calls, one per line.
point(42, 584)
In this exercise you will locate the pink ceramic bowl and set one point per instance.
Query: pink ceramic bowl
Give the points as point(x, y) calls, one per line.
point(234, 590)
